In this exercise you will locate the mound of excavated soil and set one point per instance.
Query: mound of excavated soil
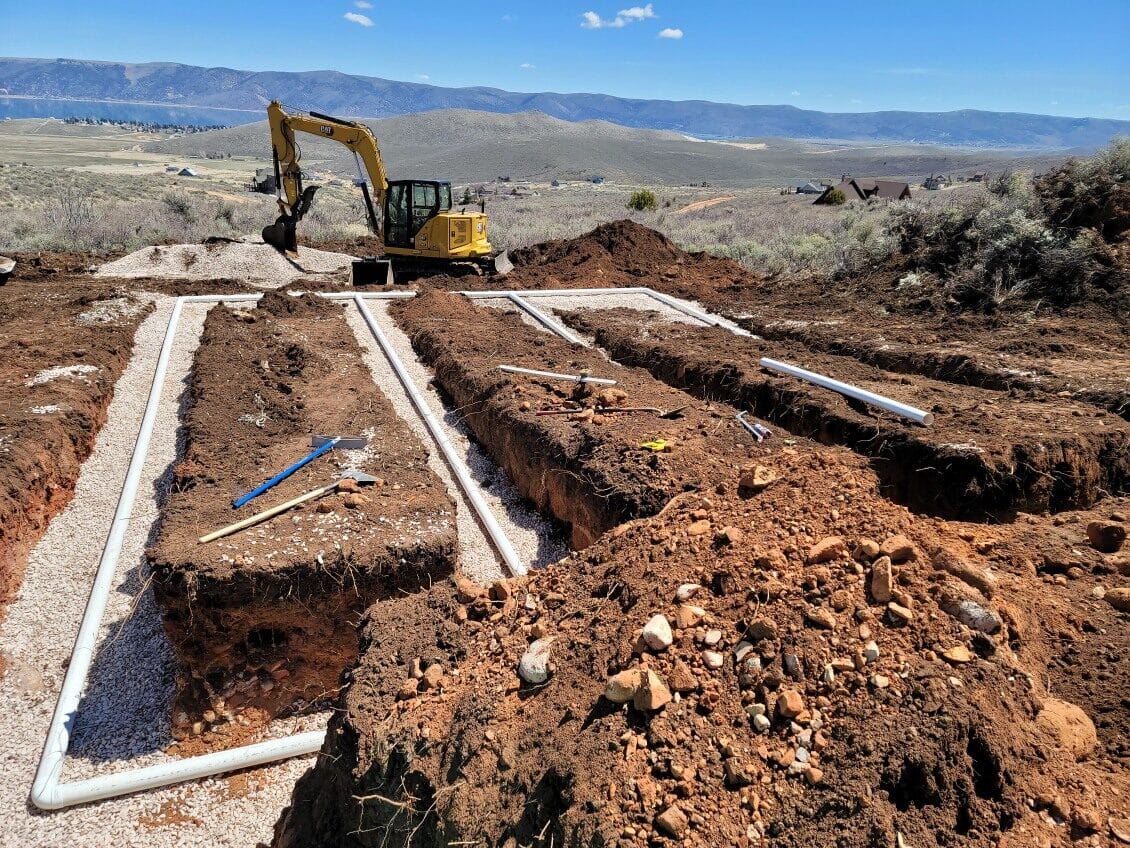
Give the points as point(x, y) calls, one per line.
point(624, 253)
point(251, 262)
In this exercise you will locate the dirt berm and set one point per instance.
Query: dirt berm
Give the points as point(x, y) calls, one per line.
point(265, 619)
point(988, 454)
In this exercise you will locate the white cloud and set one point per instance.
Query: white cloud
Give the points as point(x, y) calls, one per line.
point(508, 18)
point(637, 13)
point(362, 4)
point(591, 20)
point(363, 20)
point(671, 32)
point(794, 93)
point(527, 66)
point(423, 77)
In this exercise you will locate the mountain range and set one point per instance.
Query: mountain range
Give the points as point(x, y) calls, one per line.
point(332, 92)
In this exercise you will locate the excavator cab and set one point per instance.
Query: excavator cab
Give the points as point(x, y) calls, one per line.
point(409, 205)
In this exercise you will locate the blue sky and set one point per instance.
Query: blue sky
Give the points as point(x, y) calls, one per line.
point(852, 55)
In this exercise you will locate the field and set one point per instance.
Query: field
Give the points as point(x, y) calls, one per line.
point(539, 610)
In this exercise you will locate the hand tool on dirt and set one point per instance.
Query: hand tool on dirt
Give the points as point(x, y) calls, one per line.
point(657, 445)
point(321, 445)
point(759, 431)
point(670, 414)
point(360, 476)
point(553, 375)
point(572, 411)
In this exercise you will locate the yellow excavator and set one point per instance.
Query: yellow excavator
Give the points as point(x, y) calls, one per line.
point(420, 231)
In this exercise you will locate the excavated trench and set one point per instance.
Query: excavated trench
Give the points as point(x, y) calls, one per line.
point(266, 619)
point(944, 365)
point(988, 455)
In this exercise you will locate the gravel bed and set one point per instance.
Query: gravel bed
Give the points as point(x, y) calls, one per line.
point(253, 262)
point(566, 303)
point(537, 541)
point(123, 720)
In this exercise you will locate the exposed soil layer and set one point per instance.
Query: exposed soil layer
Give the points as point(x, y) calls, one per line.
point(588, 470)
point(933, 737)
point(265, 620)
point(1056, 355)
point(988, 454)
point(62, 349)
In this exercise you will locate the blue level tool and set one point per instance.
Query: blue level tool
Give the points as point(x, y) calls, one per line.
point(322, 444)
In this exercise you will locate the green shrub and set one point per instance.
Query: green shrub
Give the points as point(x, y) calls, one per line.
point(643, 201)
point(835, 197)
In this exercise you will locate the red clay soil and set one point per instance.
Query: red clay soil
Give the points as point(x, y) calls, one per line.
point(265, 619)
point(988, 454)
point(587, 470)
point(47, 429)
point(950, 735)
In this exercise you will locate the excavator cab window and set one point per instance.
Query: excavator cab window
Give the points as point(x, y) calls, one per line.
point(409, 204)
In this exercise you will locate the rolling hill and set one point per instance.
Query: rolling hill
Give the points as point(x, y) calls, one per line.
point(468, 146)
point(188, 86)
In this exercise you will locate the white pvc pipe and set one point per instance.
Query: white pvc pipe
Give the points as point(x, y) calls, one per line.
point(546, 321)
point(499, 293)
point(919, 416)
point(470, 488)
point(553, 375)
point(698, 314)
point(47, 792)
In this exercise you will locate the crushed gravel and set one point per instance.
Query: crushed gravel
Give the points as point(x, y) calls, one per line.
point(250, 261)
point(566, 303)
point(537, 541)
point(123, 721)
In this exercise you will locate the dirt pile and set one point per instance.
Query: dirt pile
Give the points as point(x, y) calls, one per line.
point(264, 619)
point(61, 351)
point(624, 253)
point(825, 663)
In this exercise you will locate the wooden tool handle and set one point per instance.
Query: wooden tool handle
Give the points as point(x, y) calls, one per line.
point(268, 513)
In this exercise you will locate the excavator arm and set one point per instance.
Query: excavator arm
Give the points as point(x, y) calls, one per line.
point(294, 200)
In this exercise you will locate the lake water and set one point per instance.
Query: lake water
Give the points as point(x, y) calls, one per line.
point(108, 110)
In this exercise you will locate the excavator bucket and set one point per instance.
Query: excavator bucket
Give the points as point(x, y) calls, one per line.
point(282, 235)
point(502, 264)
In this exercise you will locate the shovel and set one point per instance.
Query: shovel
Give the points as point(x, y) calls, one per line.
point(671, 414)
point(360, 476)
point(321, 444)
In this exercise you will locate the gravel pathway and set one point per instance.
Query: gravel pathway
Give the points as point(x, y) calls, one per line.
point(537, 541)
point(566, 303)
point(124, 713)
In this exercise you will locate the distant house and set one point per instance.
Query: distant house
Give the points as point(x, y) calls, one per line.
point(859, 188)
point(264, 181)
point(934, 183)
point(597, 180)
point(556, 183)
point(977, 178)
point(810, 188)
point(186, 172)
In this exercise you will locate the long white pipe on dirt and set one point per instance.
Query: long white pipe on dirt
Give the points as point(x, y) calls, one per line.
point(547, 322)
point(554, 375)
point(919, 416)
point(47, 792)
point(459, 469)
